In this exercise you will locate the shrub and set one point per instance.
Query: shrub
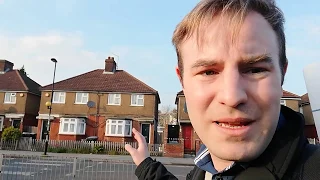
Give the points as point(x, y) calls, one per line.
point(98, 149)
point(11, 133)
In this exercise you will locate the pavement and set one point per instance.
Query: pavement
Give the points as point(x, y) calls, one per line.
point(187, 161)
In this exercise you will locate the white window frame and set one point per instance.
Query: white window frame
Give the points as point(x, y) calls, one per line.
point(112, 99)
point(59, 94)
point(138, 97)
point(84, 98)
point(283, 102)
point(76, 122)
point(12, 98)
point(1, 122)
point(117, 123)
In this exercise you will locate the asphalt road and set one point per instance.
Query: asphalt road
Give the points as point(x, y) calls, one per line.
point(36, 168)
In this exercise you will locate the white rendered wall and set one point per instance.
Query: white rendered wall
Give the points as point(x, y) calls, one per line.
point(312, 79)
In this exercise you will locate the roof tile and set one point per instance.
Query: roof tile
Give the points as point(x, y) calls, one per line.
point(97, 80)
point(15, 80)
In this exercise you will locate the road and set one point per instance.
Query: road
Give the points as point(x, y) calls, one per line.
point(36, 168)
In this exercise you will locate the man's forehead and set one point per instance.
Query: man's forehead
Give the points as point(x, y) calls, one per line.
point(256, 37)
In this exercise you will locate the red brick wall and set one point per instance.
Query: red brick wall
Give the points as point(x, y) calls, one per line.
point(6, 123)
point(71, 137)
point(172, 149)
point(54, 129)
point(39, 128)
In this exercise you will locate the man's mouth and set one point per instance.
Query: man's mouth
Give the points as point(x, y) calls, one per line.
point(233, 125)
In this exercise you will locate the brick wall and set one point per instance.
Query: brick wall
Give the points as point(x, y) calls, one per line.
point(173, 149)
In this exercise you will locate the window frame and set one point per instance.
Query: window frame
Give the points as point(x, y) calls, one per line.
point(137, 98)
point(109, 123)
point(112, 96)
point(59, 94)
point(77, 124)
point(83, 95)
point(11, 95)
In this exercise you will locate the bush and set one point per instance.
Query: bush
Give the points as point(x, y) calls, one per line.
point(98, 149)
point(11, 133)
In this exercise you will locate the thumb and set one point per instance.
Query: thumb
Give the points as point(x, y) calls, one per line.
point(130, 149)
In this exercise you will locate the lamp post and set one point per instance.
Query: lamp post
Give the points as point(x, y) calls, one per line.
point(49, 105)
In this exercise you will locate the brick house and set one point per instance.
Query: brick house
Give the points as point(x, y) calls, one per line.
point(191, 139)
point(305, 108)
point(105, 103)
point(19, 99)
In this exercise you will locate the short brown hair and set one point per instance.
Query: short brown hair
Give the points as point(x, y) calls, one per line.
point(236, 10)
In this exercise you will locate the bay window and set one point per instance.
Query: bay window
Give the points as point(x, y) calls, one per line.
point(73, 126)
point(121, 128)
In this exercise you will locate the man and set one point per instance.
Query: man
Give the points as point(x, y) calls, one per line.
point(231, 65)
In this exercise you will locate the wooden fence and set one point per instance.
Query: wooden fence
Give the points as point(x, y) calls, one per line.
point(69, 146)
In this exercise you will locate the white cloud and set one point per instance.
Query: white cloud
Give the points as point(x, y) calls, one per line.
point(35, 52)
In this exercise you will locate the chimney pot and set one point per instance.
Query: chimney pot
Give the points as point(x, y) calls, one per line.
point(110, 65)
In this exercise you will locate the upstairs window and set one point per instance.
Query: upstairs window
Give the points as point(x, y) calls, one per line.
point(114, 99)
point(59, 97)
point(10, 98)
point(137, 100)
point(82, 98)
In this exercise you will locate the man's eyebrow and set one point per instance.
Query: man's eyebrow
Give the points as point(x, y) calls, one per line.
point(204, 62)
point(264, 58)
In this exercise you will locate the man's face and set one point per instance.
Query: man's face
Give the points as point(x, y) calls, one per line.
point(233, 90)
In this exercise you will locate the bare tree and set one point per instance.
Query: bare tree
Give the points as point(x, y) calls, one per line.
point(167, 115)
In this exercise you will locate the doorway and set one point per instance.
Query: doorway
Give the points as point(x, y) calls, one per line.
point(145, 131)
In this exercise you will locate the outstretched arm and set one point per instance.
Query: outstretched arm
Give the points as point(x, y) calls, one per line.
point(147, 168)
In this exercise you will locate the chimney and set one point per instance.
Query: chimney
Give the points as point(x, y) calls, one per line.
point(5, 66)
point(110, 66)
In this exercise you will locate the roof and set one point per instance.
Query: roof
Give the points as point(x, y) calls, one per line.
point(15, 80)
point(97, 80)
point(287, 94)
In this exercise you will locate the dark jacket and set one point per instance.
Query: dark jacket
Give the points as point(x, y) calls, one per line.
point(288, 156)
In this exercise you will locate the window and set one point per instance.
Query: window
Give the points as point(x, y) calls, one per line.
point(114, 99)
point(75, 126)
point(137, 100)
point(283, 102)
point(10, 98)
point(82, 98)
point(1, 122)
point(119, 128)
point(59, 97)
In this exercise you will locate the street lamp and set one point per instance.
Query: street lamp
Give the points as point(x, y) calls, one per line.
point(49, 105)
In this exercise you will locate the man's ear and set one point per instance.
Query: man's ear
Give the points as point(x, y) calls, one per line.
point(179, 75)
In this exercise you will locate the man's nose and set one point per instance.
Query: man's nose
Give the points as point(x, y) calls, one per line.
point(232, 90)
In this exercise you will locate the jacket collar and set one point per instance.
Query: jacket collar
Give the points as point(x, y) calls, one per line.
point(275, 161)
point(282, 151)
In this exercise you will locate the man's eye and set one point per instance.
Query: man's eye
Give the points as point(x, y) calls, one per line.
point(209, 72)
point(256, 70)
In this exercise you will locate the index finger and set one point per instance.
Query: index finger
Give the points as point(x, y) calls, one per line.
point(139, 137)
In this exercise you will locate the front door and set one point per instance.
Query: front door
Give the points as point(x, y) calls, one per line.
point(44, 129)
point(186, 134)
point(16, 123)
point(145, 128)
